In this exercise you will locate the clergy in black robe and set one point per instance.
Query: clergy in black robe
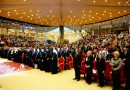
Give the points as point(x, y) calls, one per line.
point(9, 54)
point(47, 61)
point(89, 66)
point(100, 69)
point(54, 62)
point(77, 64)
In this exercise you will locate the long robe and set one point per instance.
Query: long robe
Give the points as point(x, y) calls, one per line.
point(54, 64)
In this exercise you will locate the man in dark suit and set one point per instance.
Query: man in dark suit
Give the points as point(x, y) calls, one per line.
point(127, 71)
point(100, 69)
point(124, 53)
point(77, 64)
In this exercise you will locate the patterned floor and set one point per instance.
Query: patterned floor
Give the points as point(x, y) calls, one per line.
point(11, 67)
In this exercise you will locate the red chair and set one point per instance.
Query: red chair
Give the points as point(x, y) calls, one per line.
point(67, 62)
point(108, 74)
point(83, 56)
point(70, 60)
point(122, 76)
point(82, 68)
point(94, 74)
point(61, 63)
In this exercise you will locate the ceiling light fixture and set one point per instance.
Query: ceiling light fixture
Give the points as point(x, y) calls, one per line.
point(83, 11)
point(105, 0)
point(119, 2)
point(90, 11)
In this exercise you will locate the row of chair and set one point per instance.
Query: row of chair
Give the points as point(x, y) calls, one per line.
point(62, 64)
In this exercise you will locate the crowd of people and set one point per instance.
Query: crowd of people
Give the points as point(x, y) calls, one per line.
point(113, 48)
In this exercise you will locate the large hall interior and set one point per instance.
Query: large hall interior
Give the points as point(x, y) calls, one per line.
point(64, 44)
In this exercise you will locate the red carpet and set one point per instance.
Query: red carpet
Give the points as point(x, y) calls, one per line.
point(11, 67)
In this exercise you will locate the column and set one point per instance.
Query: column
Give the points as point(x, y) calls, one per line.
point(70, 39)
point(46, 38)
point(109, 31)
point(61, 34)
point(129, 28)
point(92, 32)
point(55, 37)
point(37, 35)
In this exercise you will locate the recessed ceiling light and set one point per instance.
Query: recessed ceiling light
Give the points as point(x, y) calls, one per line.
point(99, 18)
point(24, 0)
point(17, 13)
point(32, 14)
point(94, 1)
point(23, 12)
point(74, 16)
point(36, 21)
point(30, 10)
point(70, 11)
point(78, 0)
point(15, 10)
point(28, 16)
point(90, 19)
point(21, 17)
point(127, 2)
point(50, 11)
point(103, 14)
point(119, 12)
point(39, 17)
point(105, 11)
point(90, 11)
point(124, 11)
point(8, 12)
point(89, 15)
point(53, 16)
point(83, 11)
point(0, 11)
point(37, 10)
point(110, 13)
point(68, 16)
point(119, 2)
point(82, 17)
point(84, 14)
point(96, 13)
point(105, 0)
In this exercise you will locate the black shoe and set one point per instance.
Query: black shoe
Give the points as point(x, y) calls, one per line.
point(89, 83)
point(74, 78)
point(78, 79)
point(101, 85)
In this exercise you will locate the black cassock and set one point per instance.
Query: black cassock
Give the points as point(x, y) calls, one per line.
point(47, 62)
point(89, 62)
point(54, 64)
